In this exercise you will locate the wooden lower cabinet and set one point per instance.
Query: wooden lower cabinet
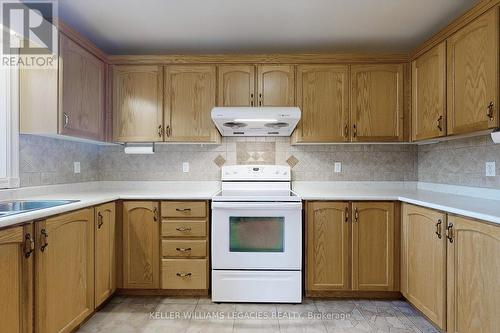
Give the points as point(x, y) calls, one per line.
point(423, 261)
point(105, 273)
point(350, 247)
point(141, 245)
point(64, 271)
point(16, 279)
point(473, 267)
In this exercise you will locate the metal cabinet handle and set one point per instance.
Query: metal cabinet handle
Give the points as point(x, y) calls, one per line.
point(181, 249)
point(45, 237)
point(449, 232)
point(182, 274)
point(66, 120)
point(155, 214)
point(439, 125)
point(354, 131)
point(160, 131)
point(438, 228)
point(183, 209)
point(346, 130)
point(346, 214)
point(489, 112)
point(260, 99)
point(183, 229)
point(168, 131)
point(356, 214)
point(251, 99)
point(100, 221)
point(29, 245)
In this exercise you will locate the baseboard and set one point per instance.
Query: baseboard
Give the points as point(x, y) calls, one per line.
point(162, 292)
point(353, 294)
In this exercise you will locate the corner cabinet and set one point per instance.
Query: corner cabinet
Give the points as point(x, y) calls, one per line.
point(472, 73)
point(137, 103)
point(423, 261)
point(323, 97)
point(473, 272)
point(429, 94)
point(377, 102)
point(141, 245)
point(105, 252)
point(189, 98)
point(64, 270)
point(16, 279)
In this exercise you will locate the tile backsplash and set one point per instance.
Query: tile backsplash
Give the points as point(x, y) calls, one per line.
point(47, 161)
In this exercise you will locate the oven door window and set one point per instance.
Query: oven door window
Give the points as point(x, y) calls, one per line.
point(256, 234)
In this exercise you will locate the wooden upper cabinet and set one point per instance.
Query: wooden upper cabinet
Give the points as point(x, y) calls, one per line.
point(473, 271)
point(377, 102)
point(81, 91)
point(472, 68)
point(323, 97)
point(16, 278)
point(189, 99)
point(105, 274)
point(276, 85)
point(64, 270)
point(236, 85)
point(423, 261)
point(373, 246)
point(137, 103)
point(327, 252)
point(141, 245)
point(429, 94)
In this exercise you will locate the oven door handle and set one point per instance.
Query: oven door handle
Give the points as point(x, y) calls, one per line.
point(258, 205)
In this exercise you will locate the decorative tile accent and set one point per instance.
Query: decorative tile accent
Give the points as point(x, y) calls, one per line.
point(219, 161)
point(292, 161)
point(255, 153)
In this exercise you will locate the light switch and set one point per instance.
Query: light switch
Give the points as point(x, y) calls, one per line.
point(490, 169)
point(338, 167)
point(76, 167)
point(185, 166)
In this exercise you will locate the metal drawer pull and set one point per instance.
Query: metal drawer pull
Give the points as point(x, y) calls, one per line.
point(182, 229)
point(438, 228)
point(45, 235)
point(449, 232)
point(181, 249)
point(100, 222)
point(183, 209)
point(66, 120)
point(29, 245)
point(155, 214)
point(440, 126)
point(489, 113)
point(184, 274)
point(346, 214)
point(356, 215)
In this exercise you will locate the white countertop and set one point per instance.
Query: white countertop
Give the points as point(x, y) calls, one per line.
point(483, 204)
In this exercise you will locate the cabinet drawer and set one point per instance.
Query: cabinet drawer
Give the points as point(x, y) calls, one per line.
point(184, 209)
point(184, 274)
point(179, 228)
point(183, 248)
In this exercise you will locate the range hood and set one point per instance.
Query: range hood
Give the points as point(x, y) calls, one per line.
point(255, 121)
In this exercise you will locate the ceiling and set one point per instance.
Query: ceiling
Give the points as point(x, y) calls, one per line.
point(256, 26)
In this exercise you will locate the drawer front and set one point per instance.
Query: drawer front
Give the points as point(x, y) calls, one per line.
point(184, 209)
point(184, 248)
point(184, 274)
point(177, 228)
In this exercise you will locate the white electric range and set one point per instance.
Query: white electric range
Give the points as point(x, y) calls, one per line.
point(256, 236)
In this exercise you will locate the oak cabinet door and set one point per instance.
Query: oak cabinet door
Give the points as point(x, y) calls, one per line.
point(328, 233)
point(473, 276)
point(141, 245)
point(473, 75)
point(137, 103)
point(64, 266)
point(81, 91)
point(377, 102)
point(373, 246)
point(276, 85)
point(236, 85)
point(323, 97)
point(16, 277)
point(423, 263)
point(429, 94)
point(105, 253)
point(189, 99)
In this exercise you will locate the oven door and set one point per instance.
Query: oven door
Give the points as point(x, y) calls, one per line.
point(257, 235)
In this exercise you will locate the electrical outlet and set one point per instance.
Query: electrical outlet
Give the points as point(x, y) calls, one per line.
point(490, 169)
point(337, 167)
point(76, 167)
point(185, 166)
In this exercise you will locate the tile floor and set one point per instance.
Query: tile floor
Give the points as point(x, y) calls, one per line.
point(164, 314)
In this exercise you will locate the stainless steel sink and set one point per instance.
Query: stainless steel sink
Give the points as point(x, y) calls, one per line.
point(23, 206)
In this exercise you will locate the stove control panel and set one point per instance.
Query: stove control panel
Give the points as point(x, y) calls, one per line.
point(256, 173)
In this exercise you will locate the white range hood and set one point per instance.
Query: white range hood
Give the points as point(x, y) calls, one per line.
point(255, 121)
